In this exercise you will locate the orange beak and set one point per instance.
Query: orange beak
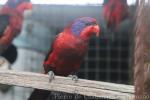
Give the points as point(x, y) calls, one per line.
point(24, 6)
point(28, 6)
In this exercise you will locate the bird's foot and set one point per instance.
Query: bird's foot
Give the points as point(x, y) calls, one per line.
point(74, 78)
point(51, 75)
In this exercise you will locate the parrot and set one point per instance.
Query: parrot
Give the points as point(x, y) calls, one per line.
point(67, 51)
point(114, 12)
point(11, 20)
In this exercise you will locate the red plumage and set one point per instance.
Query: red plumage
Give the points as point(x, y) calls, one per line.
point(67, 54)
point(114, 12)
point(68, 50)
point(15, 21)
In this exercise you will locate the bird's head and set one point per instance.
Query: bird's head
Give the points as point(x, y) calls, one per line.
point(19, 5)
point(24, 6)
point(85, 27)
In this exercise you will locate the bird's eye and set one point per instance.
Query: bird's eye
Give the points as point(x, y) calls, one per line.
point(93, 23)
point(88, 24)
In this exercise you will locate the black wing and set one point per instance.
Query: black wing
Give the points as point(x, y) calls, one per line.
point(4, 21)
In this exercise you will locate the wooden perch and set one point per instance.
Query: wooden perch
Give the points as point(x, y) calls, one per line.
point(65, 84)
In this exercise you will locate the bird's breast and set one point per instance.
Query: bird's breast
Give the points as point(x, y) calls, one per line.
point(69, 53)
point(71, 50)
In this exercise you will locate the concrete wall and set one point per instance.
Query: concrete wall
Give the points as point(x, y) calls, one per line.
point(46, 21)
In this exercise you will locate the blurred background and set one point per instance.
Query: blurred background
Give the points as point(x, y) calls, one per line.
point(109, 57)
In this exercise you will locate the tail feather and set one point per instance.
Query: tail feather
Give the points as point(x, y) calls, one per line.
point(38, 94)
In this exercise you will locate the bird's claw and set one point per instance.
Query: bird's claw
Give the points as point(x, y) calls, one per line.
point(51, 75)
point(74, 77)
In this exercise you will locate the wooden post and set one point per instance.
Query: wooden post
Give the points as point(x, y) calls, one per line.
point(65, 84)
point(142, 52)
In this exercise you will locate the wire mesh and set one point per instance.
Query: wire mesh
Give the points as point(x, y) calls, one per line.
point(108, 58)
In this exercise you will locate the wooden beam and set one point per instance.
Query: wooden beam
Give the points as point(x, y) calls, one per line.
point(65, 84)
point(142, 52)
